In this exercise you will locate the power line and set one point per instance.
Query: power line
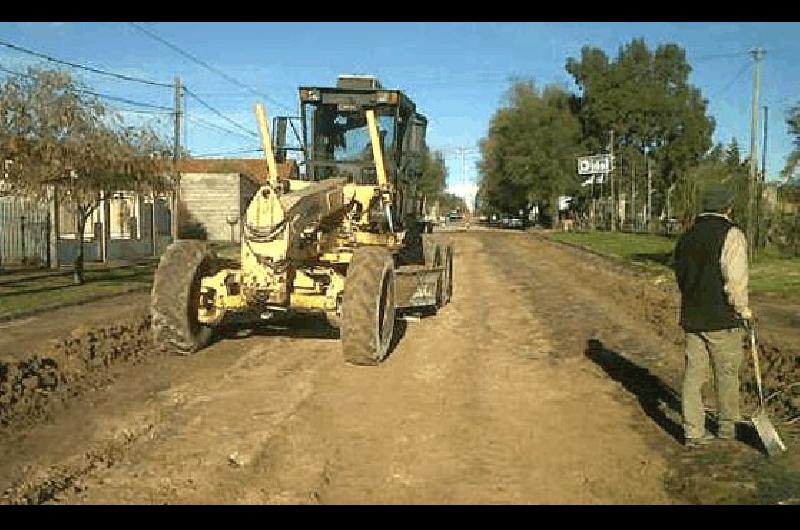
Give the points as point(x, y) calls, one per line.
point(776, 102)
point(97, 94)
point(220, 114)
point(720, 56)
point(240, 152)
point(83, 66)
point(209, 125)
point(125, 100)
point(734, 80)
point(224, 95)
point(205, 65)
point(140, 111)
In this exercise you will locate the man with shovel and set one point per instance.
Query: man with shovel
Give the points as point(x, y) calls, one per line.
point(712, 273)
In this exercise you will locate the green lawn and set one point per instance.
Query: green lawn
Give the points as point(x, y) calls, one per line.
point(769, 274)
point(19, 293)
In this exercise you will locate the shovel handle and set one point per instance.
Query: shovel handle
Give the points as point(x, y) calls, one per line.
point(754, 351)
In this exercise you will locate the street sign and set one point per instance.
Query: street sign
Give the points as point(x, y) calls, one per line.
point(594, 165)
point(595, 179)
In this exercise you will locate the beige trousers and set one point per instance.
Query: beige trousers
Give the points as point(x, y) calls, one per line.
point(723, 351)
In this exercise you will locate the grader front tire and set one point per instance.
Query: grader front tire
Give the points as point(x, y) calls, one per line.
point(175, 296)
point(368, 307)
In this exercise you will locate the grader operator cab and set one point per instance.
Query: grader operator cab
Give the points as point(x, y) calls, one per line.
point(344, 236)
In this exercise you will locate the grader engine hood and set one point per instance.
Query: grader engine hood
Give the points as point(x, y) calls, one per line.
point(276, 223)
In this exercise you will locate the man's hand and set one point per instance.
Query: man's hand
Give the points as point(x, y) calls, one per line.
point(746, 318)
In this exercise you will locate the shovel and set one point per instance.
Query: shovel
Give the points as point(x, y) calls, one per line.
point(766, 431)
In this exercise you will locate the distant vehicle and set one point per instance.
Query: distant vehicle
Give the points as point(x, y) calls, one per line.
point(455, 216)
point(515, 222)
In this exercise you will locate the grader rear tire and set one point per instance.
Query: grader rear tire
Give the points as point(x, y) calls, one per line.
point(448, 275)
point(175, 295)
point(435, 256)
point(368, 307)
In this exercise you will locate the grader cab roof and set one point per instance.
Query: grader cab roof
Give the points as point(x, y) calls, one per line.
point(359, 92)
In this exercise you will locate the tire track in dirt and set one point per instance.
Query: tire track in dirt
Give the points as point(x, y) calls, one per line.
point(220, 429)
point(489, 401)
point(158, 407)
point(474, 406)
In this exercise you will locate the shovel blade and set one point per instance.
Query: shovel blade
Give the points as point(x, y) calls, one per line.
point(769, 436)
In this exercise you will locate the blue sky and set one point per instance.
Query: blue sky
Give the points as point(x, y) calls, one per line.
point(456, 72)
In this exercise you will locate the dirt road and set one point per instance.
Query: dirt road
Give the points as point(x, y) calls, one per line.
point(517, 392)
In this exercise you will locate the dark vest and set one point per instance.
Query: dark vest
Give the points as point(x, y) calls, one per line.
point(704, 303)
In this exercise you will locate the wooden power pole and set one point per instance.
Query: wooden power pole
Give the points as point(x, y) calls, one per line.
point(613, 197)
point(176, 158)
point(758, 55)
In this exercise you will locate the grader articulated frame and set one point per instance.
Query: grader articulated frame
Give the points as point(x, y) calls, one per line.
point(346, 238)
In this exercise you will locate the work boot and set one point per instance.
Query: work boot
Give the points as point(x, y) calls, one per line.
point(726, 434)
point(692, 443)
point(727, 431)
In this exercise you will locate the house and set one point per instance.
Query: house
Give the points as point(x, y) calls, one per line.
point(215, 193)
point(782, 197)
point(119, 228)
point(214, 196)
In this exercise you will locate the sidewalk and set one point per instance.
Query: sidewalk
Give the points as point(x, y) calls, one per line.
point(23, 295)
point(9, 276)
point(23, 336)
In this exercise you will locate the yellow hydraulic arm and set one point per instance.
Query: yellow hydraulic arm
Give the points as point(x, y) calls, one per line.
point(266, 140)
point(377, 151)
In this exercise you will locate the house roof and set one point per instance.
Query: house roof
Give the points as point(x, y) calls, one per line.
point(255, 168)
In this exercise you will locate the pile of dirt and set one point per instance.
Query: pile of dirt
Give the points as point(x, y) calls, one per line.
point(39, 485)
point(780, 374)
point(30, 386)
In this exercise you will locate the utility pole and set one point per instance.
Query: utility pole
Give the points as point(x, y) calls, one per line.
point(464, 170)
point(649, 212)
point(593, 215)
point(758, 55)
point(462, 150)
point(760, 198)
point(613, 198)
point(153, 227)
point(176, 157)
point(633, 194)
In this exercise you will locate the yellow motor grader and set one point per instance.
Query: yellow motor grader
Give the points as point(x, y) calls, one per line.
point(344, 235)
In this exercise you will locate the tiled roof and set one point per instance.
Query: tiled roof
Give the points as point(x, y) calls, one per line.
point(256, 168)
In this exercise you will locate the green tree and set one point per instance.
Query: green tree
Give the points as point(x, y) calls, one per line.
point(57, 135)
point(645, 97)
point(721, 165)
point(433, 180)
point(733, 154)
point(529, 154)
point(451, 202)
point(793, 162)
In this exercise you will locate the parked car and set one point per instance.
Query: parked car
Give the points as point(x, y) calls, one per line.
point(455, 216)
point(515, 222)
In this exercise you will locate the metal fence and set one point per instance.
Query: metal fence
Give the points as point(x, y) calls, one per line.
point(24, 233)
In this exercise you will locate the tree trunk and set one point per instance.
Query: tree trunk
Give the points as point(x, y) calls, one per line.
point(78, 277)
point(555, 211)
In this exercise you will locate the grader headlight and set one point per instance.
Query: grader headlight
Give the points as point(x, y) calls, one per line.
point(310, 95)
point(389, 98)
